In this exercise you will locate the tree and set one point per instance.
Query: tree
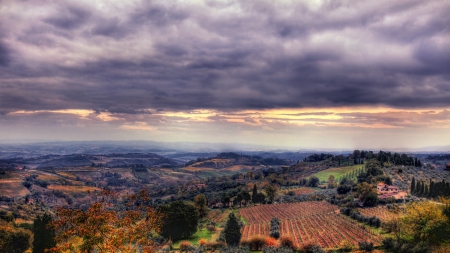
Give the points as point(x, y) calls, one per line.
point(271, 192)
point(225, 199)
point(331, 182)
point(109, 225)
point(367, 194)
point(232, 230)
point(200, 203)
point(343, 189)
point(239, 198)
point(371, 199)
point(260, 197)
point(246, 196)
point(373, 168)
point(275, 228)
point(254, 193)
point(413, 185)
point(13, 240)
point(426, 222)
point(313, 181)
point(180, 220)
point(44, 234)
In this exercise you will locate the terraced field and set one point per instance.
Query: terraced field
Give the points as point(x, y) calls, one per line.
point(380, 212)
point(12, 188)
point(307, 222)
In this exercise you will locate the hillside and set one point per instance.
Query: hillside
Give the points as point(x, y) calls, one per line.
point(224, 160)
point(81, 160)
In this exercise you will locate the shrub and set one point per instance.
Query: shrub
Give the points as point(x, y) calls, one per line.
point(366, 246)
point(311, 247)
point(214, 245)
point(269, 249)
point(346, 246)
point(284, 250)
point(286, 241)
point(202, 242)
point(185, 246)
point(270, 241)
point(234, 249)
point(388, 243)
point(211, 228)
point(257, 242)
point(275, 228)
point(245, 243)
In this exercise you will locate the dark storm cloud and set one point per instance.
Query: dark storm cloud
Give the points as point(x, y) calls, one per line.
point(68, 17)
point(4, 55)
point(127, 58)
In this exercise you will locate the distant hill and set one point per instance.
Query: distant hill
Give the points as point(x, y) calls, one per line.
point(224, 160)
point(81, 160)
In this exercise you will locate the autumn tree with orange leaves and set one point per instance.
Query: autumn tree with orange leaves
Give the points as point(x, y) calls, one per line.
point(109, 225)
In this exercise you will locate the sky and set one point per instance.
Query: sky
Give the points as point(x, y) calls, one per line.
point(294, 74)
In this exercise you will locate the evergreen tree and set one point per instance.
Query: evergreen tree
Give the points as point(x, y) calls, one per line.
point(413, 185)
point(44, 235)
point(254, 193)
point(425, 190)
point(275, 228)
point(430, 194)
point(181, 220)
point(422, 189)
point(232, 230)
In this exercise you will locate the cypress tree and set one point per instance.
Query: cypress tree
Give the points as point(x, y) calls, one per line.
point(254, 193)
point(413, 185)
point(426, 191)
point(44, 236)
point(232, 230)
point(431, 189)
point(422, 188)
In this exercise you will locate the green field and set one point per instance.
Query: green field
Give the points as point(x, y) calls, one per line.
point(337, 172)
point(202, 233)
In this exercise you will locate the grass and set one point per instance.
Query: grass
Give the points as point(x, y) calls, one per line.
point(202, 233)
point(336, 172)
point(236, 213)
point(72, 188)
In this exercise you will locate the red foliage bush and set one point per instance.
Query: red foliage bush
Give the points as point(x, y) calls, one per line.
point(271, 242)
point(255, 242)
point(185, 246)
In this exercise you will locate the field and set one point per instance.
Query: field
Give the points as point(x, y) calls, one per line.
point(307, 222)
point(13, 188)
point(72, 188)
point(402, 175)
point(336, 172)
point(299, 190)
point(380, 212)
point(11, 185)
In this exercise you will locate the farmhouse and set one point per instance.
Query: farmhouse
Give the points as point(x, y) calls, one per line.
point(389, 191)
point(384, 188)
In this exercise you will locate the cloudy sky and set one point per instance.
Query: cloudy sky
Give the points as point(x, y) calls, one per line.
point(297, 74)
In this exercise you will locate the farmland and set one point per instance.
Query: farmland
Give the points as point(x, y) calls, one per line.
point(72, 188)
point(336, 172)
point(13, 188)
point(307, 222)
point(11, 185)
point(380, 212)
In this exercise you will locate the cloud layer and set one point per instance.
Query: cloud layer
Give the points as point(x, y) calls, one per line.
point(223, 55)
point(133, 63)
